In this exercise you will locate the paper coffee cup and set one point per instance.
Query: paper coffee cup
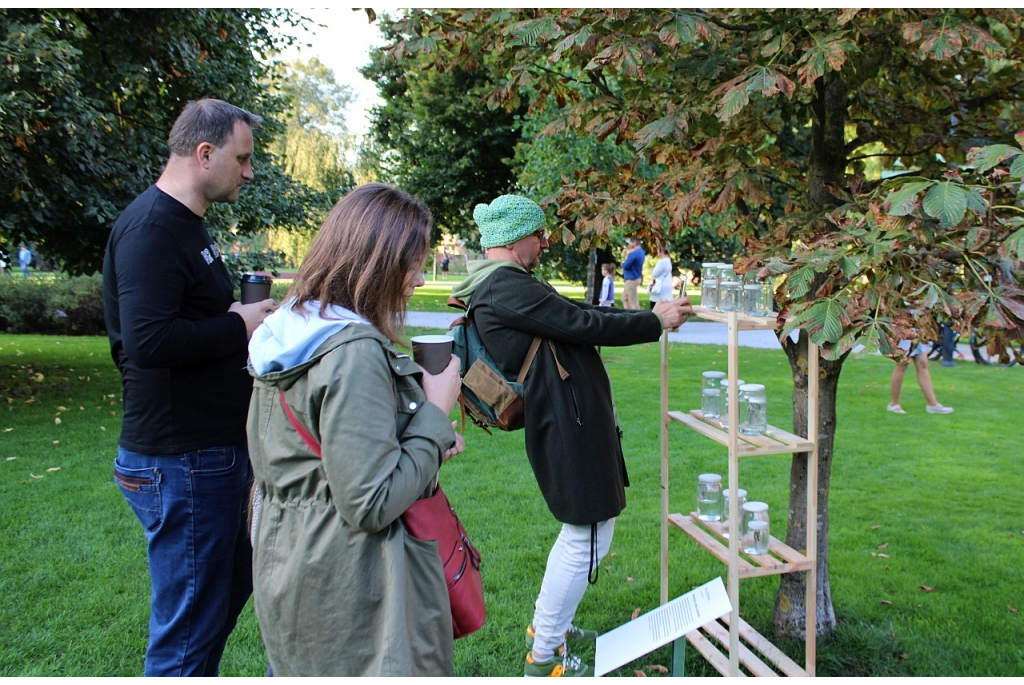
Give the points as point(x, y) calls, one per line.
point(432, 352)
point(255, 288)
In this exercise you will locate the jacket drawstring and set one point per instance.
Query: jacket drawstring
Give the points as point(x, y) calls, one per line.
point(595, 569)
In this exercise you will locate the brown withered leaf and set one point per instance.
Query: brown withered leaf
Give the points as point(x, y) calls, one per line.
point(884, 545)
point(35, 476)
point(636, 613)
point(904, 655)
point(1013, 610)
point(875, 527)
point(56, 421)
point(885, 601)
point(56, 442)
point(630, 579)
point(658, 668)
point(53, 468)
point(926, 588)
point(640, 674)
point(11, 458)
point(8, 430)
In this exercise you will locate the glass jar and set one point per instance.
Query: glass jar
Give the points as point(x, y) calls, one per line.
point(730, 289)
point(757, 538)
point(752, 511)
point(711, 394)
point(725, 401)
point(741, 499)
point(709, 285)
point(753, 409)
point(709, 497)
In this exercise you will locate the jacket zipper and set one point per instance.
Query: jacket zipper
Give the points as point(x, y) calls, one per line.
point(575, 403)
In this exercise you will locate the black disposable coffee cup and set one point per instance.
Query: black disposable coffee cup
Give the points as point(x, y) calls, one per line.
point(255, 288)
point(432, 352)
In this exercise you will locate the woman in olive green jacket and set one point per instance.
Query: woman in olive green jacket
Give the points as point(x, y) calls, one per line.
point(341, 588)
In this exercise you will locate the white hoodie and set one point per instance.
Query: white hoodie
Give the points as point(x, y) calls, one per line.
point(291, 335)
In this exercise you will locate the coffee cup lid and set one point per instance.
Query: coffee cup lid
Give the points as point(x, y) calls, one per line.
point(257, 278)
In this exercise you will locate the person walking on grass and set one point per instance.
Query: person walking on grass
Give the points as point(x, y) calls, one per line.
point(632, 274)
point(179, 340)
point(572, 436)
point(24, 259)
point(924, 379)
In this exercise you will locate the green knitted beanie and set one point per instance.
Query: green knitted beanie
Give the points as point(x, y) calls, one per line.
point(508, 219)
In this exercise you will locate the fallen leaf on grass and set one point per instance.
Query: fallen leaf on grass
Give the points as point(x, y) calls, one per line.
point(1012, 610)
point(56, 442)
point(53, 468)
point(636, 614)
point(658, 668)
point(103, 428)
point(926, 588)
point(875, 527)
point(630, 579)
point(884, 545)
point(904, 655)
point(640, 674)
point(62, 408)
point(34, 475)
point(8, 430)
point(38, 378)
point(885, 601)
point(30, 400)
point(56, 421)
point(887, 568)
point(879, 554)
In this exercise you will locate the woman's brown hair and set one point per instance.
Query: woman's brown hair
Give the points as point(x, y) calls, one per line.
point(372, 239)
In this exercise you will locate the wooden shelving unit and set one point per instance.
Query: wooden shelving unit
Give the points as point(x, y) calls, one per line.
point(730, 643)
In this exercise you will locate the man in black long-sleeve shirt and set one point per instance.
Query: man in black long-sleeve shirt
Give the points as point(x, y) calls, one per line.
point(179, 340)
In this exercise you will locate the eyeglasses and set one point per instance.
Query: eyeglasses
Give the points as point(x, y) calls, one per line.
point(539, 233)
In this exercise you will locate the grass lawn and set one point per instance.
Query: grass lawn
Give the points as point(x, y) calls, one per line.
point(926, 538)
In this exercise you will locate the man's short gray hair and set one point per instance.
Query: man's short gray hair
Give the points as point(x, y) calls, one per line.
point(206, 121)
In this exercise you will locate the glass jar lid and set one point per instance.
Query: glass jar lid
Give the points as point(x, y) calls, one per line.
point(751, 387)
point(740, 492)
point(755, 507)
point(712, 478)
point(714, 374)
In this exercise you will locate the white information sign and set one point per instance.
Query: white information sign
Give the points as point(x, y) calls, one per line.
point(660, 626)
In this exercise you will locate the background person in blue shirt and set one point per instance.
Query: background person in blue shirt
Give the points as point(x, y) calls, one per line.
point(632, 273)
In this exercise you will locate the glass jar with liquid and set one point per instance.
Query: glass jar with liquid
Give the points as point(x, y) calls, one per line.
point(725, 401)
point(753, 409)
point(711, 394)
point(709, 285)
point(730, 289)
point(757, 538)
point(752, 511)
point(741, 499)
point(709, 497)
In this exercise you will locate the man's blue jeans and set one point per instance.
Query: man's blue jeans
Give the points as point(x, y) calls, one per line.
point(193, 508)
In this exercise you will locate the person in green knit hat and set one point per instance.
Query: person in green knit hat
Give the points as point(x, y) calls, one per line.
point(571, 433)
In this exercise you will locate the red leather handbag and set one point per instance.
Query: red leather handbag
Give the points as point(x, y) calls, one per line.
point(434, 518)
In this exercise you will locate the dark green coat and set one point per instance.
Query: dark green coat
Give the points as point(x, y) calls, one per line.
point(572, 438)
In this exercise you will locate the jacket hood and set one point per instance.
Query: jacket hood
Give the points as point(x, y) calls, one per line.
point(289, 337)
point(479, 270)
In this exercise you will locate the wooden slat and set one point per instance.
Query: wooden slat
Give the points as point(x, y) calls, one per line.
point(768, 650)
point(743, 322)
point(705, 540)
point(747, 657)
point(719, 661)
point(774, 441)
point(708, 535)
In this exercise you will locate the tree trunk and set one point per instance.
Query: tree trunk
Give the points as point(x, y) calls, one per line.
point(790, 610)
point(826, 168)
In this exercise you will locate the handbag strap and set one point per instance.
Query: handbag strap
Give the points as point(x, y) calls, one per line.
point(306, 436)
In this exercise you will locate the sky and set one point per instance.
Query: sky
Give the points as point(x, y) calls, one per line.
point(343, 45)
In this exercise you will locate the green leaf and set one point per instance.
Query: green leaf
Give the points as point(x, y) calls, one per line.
point(799, 281)
point(850, 266)
point(731, 103)
point(825, 321)
point(1015, 244)
point(990, 156)
point(903, 200)
point(976, 201)
point(1017, 167)
point(946, 202)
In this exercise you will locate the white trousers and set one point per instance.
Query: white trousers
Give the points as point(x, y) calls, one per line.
point(565, 581)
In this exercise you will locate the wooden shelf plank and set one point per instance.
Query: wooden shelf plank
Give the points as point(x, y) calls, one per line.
point(744, 322)
point(774, 441)
point(768, 650)
point(708, 535)
point(752, 657)
point(719, 661)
